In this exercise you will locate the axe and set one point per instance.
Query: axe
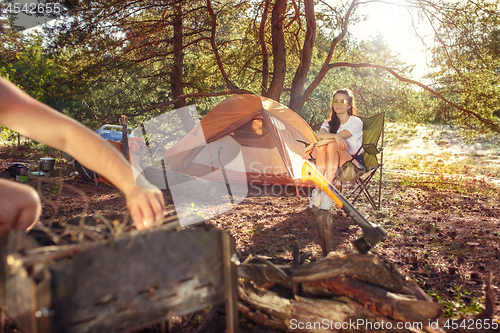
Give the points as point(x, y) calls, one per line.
point(372, 234)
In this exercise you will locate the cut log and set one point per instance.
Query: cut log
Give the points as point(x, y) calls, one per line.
point(361, 291)
point(397, 306)
point(369, 268)
point(307, 314)
point(117, 285)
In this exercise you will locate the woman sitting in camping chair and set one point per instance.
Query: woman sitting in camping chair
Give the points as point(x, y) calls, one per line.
point(340, 140)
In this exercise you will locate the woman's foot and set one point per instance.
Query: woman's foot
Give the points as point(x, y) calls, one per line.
point(326, 201)
point(315, 199)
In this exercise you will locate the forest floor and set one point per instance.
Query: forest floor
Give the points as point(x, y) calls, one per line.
point(440, 207)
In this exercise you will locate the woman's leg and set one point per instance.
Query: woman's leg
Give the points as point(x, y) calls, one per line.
point(335, 157)
point(20, 206)
point(321, 159)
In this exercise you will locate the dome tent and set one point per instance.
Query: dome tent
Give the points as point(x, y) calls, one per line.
point(261, 131)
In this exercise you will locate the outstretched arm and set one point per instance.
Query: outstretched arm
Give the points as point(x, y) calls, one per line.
point(31, 118)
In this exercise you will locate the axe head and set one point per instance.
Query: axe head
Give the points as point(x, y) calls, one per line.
point(372, 234)
point(361, 245)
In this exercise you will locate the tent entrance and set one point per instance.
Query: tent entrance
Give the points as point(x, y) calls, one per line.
point(254, 133)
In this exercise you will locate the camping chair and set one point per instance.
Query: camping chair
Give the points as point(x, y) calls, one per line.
point(373, 131)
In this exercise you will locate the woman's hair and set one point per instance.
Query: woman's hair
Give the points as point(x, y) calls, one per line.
point(334, 120)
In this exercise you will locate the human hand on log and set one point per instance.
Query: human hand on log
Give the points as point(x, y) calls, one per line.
point(146, 206)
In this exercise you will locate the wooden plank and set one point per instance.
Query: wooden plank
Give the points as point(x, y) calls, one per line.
point(2, 320)
point(230, 282)
point(43, 279)
point(132, 283)
point(21, 303)
point(17, 289)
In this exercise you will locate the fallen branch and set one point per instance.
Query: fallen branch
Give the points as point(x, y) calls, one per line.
point(494, 126)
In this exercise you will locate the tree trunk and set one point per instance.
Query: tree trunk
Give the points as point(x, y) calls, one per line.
point(177, 74)
point(305, 58)
point(300, 100)
point(279, 52)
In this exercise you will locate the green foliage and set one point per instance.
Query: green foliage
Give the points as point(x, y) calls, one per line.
point(462, 304)
point(135, 77)
point(33, 69)
point(7, 134)
point(467, 64)
point(125, 66)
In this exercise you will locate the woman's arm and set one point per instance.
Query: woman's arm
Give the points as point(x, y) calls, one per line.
point(31, 118)
point(325, 138)
point(324, 135)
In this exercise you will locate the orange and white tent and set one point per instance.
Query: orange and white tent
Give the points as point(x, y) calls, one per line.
point(248, 138)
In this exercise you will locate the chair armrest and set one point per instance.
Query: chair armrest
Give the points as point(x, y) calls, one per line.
point(304, 142)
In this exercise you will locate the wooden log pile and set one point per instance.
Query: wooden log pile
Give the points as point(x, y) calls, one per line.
point(344, 291)
point(98, 274)
point(114, 280)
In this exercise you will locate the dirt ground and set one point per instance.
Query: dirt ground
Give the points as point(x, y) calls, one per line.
point(443, 231)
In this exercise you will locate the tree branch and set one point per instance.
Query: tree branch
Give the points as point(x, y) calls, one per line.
point(325, 67)
point(494, 126)
point(214, 47)
point(263, 47)
point(191, 95)
point(305, 57)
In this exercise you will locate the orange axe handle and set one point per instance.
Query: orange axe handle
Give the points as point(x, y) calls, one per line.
point(311, 175)
point(372, 233)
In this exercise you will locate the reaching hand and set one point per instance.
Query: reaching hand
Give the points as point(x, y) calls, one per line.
point(307, 151)
point(146, 206)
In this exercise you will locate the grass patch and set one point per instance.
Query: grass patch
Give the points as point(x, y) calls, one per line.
point(445, 163)
point(454, 183)
point(462, 304)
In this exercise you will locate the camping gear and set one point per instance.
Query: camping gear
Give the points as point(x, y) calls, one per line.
point(111, 135)
point(372, 234)
point(22, 173)
point(115, 138)
point(260, 130)
point(12, 169)
point(46, 163)
point(84, 172)
point(373, 131)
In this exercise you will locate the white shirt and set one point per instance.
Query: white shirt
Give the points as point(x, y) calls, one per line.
point(355, 126)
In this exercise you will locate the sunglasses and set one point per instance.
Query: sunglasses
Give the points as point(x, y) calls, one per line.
point(340, 101)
